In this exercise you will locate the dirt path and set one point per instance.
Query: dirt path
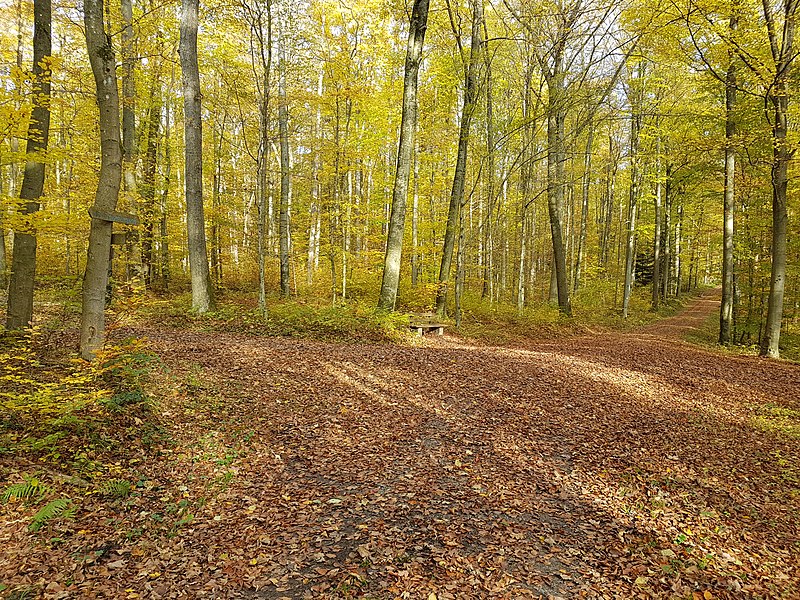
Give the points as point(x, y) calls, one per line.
point(614, 466)
point(692, 318)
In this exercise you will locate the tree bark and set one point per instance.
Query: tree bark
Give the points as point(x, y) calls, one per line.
point(134, 242)
point(488, 238)
point(729, 201)
point(655, 295)
point(283, 134)
point(668, 252)
point(630, 256)
point(261, 26)
point(95, 279)
point(394, 242)
point(777, 284)
point(523, 234)
point(587, 179)
point(415, 257)
point(316, 221)
point(164, 237)
point(23, 259)
point(459, 175)
point(216, 201)
point(784, 57)
point(148, 187)
point(555, 185)
point(202, 291)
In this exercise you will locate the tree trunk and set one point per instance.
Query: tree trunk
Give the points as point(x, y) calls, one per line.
point(261, 207)
point(136, 266)
point(394, 240)
point(608, 212)
point(522, 253)
point(95, 279)
point(216, 201)
point(459, 175)
point(678, 250)
point(655, 296)
point(667, 260)
point(164, 238)
point(283, 134)
point(23, 260)
point(587, 179)
point(782, 47)
point(202, 292)
point(488, 239)
point(630, 256)
point(263, 33)
point(781, 157)
point(148, 187)
point(415, 258)
point(555, 186)
point(316, 222)
point(729, 199)
point(460, 272)
point(3, 265)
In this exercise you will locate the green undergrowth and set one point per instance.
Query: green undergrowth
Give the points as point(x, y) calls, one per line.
point(707, 335)
point(359, 320)
point(595, 308)
point(69, 428)
point(237, 312)
point(777, 419)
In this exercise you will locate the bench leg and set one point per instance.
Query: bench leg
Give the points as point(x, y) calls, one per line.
point(419, 331)
point(440, 331)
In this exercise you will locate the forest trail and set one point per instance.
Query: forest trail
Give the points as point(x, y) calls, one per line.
point(691, 318)
point(602, 466)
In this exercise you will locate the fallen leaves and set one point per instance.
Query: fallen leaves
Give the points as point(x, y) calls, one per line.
point(594, 467)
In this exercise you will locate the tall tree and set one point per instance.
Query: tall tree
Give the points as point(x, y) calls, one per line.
point(488, 239)
point(460, 173)
point(103, 60)
point(655, 292)
point(23, 260)
point(780, 32)
point(129, 134)
point(633, 198)
point(258, 14)
point(202, 291)
point(726, 306)
point(587, 180)
point(283, 135)
point(418, 25)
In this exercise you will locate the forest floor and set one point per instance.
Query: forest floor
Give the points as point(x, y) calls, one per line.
point(613, 465)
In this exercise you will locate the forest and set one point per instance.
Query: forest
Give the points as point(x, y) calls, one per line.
point(221, 223)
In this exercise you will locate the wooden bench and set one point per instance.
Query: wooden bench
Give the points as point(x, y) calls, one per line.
point(424, 322)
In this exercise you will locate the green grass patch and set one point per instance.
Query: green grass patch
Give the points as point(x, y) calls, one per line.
point(773, 418)
point(707, 335)
point(596, 307)
point(343, 321)
point(70, 415)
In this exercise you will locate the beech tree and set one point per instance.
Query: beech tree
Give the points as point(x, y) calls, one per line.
point(471, 64)
point(313, 162)
point(103, 61)
point(284, 231)
point(780, 33)
point(202, 291)
point(23, 260)
point(418, 24)
point(729, 203)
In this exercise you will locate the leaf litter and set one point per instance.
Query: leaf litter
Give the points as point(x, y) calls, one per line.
point(603, 466)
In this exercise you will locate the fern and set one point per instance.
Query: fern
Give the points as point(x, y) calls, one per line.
point(116, 488)
point(30, 490)
point(60, 508)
